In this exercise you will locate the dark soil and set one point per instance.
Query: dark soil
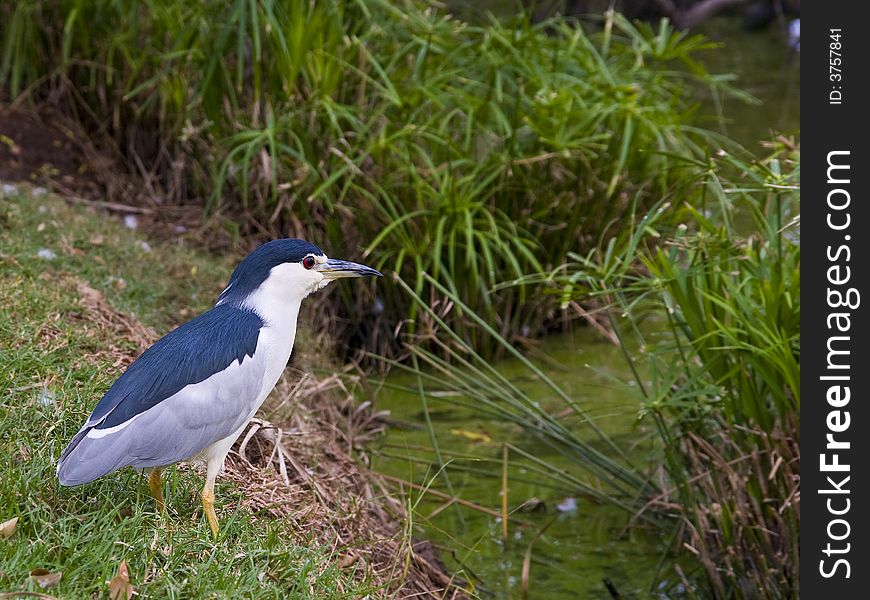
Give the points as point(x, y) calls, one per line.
point(39, 150)
point(45, 149)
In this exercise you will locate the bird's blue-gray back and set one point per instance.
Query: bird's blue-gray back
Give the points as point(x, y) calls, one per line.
point(189, 382)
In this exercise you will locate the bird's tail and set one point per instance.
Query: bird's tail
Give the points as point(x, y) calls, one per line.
point(85, 459)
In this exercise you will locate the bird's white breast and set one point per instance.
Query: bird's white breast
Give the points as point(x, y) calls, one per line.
point(277, 345)
point(277, 303)
point(280, 315)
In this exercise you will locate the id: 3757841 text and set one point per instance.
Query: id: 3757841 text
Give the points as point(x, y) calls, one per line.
point(835, 66)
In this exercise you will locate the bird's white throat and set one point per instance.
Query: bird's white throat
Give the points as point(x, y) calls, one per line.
point(277, 300)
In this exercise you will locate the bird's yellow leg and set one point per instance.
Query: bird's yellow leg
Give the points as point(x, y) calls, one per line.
point(208, 506)
point(214, 462)
point(156, 484)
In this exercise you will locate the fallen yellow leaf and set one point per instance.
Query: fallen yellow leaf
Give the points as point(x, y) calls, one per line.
point(120, 586)
point(474, 436)
point(44, 578)
point(7, 528)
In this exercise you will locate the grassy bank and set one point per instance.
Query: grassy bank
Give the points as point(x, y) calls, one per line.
point(81, 296)
point(476, 153)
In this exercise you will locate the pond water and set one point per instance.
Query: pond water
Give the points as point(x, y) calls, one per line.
point(584, 542)
point(766, 68)
point(582, 549)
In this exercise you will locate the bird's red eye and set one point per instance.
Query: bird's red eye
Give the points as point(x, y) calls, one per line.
point(308, 262)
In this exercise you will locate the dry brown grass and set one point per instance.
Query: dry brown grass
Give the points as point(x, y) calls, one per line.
point(744, 531)
point(97, 311)
point(303, 473)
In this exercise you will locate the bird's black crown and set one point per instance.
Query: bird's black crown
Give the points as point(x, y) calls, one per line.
point(254, 269)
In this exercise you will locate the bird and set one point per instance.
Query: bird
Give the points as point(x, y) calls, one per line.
point(189, 396)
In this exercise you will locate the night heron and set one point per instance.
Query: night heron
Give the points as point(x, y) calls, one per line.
point(189, 396)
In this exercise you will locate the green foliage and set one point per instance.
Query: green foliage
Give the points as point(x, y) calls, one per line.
point(720, 295)
point(607, 475)
point(727, 278)
point(474, 153)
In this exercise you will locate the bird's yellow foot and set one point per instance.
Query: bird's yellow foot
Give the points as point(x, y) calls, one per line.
point(156, 485)
point(208, 507)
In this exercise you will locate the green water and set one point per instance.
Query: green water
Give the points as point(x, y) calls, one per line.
point(764, 67)
point(580, 548)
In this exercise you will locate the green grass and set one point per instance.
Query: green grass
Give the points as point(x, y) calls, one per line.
point(52, 373)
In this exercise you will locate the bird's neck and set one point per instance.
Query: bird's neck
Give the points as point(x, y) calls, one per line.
point(278, 309)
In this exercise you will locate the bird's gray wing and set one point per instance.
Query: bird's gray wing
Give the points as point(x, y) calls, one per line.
point(193, 387)
point(175, 429)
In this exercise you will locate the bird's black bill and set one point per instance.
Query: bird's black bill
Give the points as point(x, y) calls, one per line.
point(337, 269)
